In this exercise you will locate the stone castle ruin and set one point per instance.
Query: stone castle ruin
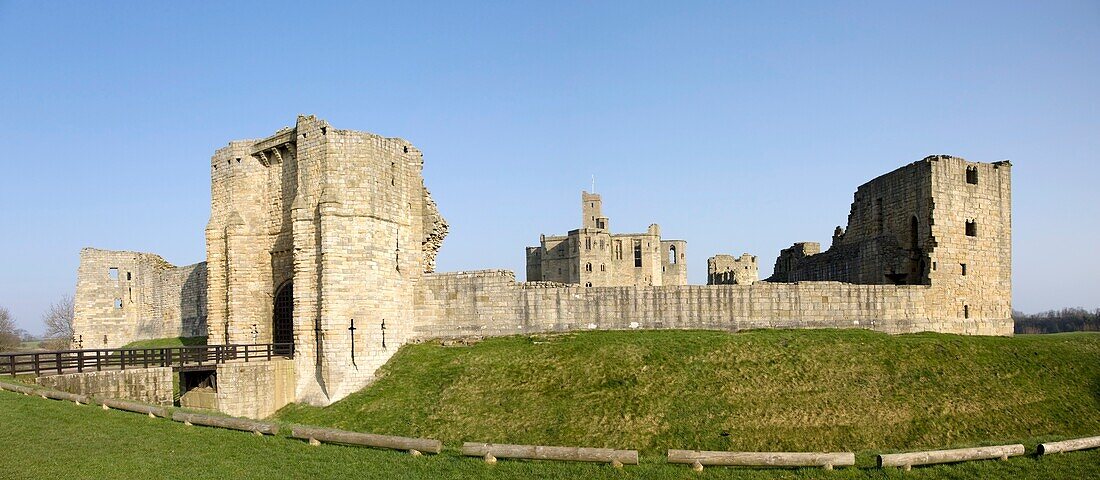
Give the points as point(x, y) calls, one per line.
point(326, 239)
point(594, 257)
point(730, 270)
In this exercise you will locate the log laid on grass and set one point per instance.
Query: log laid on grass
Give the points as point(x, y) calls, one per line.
point(58, 395)
point(425, 445)
point(226, 422)
point(1069, 445)
point(537, 452)
point(763, 459)
point(931, 457)
point(133, 407)
point(24, 389)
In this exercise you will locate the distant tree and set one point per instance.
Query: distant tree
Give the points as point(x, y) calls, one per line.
point(59, 324)
point(9, 337)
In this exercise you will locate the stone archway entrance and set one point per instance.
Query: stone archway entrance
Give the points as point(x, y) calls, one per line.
point(282, 322)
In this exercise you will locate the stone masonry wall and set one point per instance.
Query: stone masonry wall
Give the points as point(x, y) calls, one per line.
point(488, 303)
point(147, 385)
point(255, 389)
point(123, 297)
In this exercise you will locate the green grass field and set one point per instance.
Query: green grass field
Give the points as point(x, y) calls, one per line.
point(50, 439)
point(763, 390)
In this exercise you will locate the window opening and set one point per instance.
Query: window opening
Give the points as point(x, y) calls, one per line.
point(972, 175)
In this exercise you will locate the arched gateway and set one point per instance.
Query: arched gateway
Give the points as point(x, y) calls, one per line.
point(282, 321)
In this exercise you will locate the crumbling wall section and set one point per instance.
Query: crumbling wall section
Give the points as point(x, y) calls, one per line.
point(122, 297)
point(887, 240)
point(730, 270)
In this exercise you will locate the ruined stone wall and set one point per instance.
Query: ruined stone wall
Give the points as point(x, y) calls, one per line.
point(730, 270)
point(887, 238)
point(673, 255)
point(941, 221)
point(122, 297)
point(488, 303)
point(147, 385)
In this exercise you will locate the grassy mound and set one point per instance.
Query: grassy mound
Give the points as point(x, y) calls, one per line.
point(167, 342)
point(850, 390)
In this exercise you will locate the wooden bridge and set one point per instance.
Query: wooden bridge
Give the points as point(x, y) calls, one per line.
point(181, 359)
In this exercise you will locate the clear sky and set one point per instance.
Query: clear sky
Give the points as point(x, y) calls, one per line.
point(739, 127)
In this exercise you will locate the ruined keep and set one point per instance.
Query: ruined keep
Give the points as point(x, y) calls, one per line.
point(594, 257)
point(326, 239)
point(730, 270)
point(942, 221)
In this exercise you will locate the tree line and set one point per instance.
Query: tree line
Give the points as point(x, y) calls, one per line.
point(59, 328)
point(1056, 321)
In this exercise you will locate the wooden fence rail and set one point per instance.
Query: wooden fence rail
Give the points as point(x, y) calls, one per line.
point(180, 358)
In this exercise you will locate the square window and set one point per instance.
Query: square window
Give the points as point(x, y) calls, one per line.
point(971, 228)
point(972, 175)
point(112, 273)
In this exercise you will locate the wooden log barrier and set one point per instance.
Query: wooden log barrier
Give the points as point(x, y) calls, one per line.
point(133, 407)
point(58, 395)
point(537, 452)
point(1069, 445)
point(826, 460)
point(226, 422)
point(24, 389)
point(424, 445)
point(907, 460)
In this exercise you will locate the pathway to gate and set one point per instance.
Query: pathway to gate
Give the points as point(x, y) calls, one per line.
point(190, 358)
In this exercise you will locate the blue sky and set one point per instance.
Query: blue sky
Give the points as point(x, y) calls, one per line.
point(739, 127)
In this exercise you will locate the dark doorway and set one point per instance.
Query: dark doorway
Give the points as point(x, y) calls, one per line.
point(283, 318)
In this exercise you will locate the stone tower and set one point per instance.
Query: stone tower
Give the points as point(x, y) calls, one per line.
point(312, 229)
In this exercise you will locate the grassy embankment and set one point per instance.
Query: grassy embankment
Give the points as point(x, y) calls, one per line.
point(765, 390)
point(824, 390)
